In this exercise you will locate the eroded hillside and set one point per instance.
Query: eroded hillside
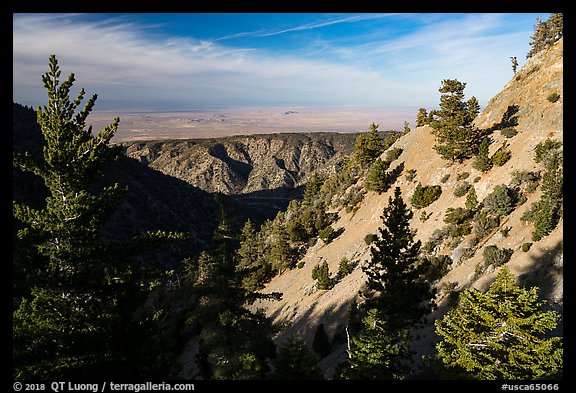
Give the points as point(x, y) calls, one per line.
point(532, 103)
point(245, 164)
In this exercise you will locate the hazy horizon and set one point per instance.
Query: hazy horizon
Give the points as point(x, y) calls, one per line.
point(223, 122)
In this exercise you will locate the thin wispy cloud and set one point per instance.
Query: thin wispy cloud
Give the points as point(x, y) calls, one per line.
point(304, 27)
point(316, 25)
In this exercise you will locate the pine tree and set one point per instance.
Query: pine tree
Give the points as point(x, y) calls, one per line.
point(425, 195)
point(471, 200)
point(296, 362)
point(500, 334)
point(545, 220)
point(422, 117)
point(514, 61)
point(547, 212)
point(456, 137)
point(546, 33)
point(235, 343)
point(249, 250)
point(483, 162)
point(75, 317)
point(395, 274)
point(538, 38)
point(377, 177)
point(321, 344)
point(368, 146)
point(224, 239)
point(312, 189)
point(377, 352)
point(252, 264)
point(502, 155)
point(406, 127)
point(555, 27)
point(281, 255)
point(321, 273)
point(553, 178)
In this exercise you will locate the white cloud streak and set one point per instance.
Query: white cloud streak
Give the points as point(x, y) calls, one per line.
point(316, 25)
point(306, 26)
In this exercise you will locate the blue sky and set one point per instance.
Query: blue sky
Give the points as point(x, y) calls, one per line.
point(186, 61)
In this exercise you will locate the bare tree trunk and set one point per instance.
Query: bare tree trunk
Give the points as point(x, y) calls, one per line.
point(348, 340)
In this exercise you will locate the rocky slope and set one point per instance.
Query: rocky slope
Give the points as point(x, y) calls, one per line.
point(261, 174)
point(524, 102)
point(245, 164)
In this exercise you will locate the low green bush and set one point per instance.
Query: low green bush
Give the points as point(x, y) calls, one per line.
point(496, 256)
point(462, 176)
point(509, 132)
point(526, 247)
point(501, 156)
point(553, 97)
point(462, 189)
point(425, 195)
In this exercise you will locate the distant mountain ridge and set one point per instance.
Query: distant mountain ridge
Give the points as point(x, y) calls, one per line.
point(260, 173)
point(245, 164)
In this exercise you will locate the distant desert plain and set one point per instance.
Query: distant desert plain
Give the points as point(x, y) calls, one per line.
point(197, 124)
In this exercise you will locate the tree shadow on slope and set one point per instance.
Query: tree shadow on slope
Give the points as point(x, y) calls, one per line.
point(509, 118)
point(546, 272)
point(242, 169)
point(155, 201)
point(265, 204)
point(335, 321)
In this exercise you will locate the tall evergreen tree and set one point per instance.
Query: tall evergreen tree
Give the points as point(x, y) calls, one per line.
point(500, 334)
point(548, 210)
point(249, 250)
point(281, 254)
point(312, 189)
point(397, 295)
point(235, 343)
point(546, 33)
point(483, 162)
point(252, 264)
point(377, 178)
point(321, 273)
point(296, 362)
point(376, 353)
point(75, 317)
point(456, 137)
point(471, 200)
point(514, 61)
point(368, 147)
point(396, 284)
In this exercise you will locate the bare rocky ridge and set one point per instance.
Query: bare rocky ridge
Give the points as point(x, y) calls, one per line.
point(260, 173)
point(245, 164)
point(524, 100)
